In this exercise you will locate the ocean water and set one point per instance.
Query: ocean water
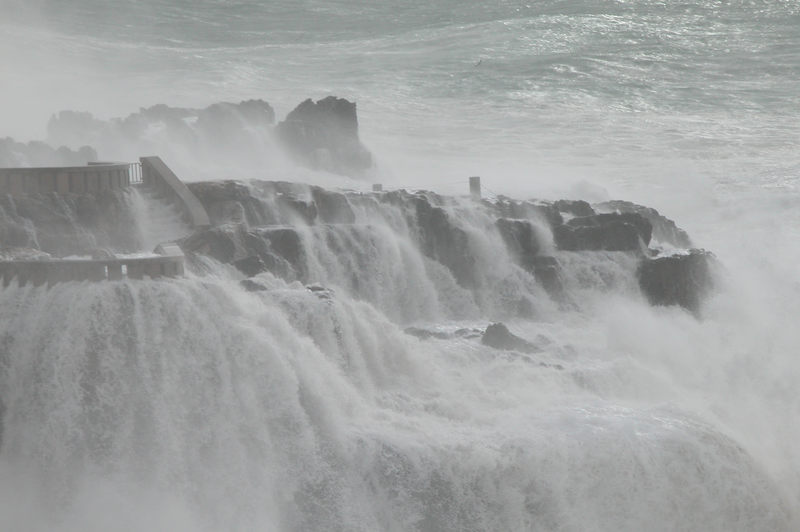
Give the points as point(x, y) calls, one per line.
point(193, 405)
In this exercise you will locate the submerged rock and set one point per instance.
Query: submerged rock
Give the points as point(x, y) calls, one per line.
point(498, 336)
point(252, 265)
point(252, 286)
point(324, 135)
point(606, 232)
point(682, 280)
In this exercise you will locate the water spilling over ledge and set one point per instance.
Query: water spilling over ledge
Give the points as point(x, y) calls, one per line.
point(334, 359)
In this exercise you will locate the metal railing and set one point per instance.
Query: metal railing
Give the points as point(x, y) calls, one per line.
point(135, 173)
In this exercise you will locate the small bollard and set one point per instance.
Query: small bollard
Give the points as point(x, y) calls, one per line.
point(475, 187)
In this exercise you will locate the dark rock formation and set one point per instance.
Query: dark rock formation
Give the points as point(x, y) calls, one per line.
point(324, 135)
point(252, 265)
point(607, 232)
point(664, 229)
point(678, 280)
point(443, 241)
point(252, 286)
point(574, 207)
point(520, 238)
point(498, 336)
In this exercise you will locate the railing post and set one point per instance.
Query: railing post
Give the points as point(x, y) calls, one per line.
point(475, 187)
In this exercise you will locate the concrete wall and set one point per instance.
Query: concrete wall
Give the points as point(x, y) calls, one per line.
point(157, 176)
point(40, 272)
point(63, 180)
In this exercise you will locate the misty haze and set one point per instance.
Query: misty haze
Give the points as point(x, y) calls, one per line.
point(399, 266)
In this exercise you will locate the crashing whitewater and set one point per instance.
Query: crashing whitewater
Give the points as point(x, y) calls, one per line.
point(321, 367)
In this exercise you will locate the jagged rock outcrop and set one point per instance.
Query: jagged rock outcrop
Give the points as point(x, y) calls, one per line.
point(324, 135)
point(498, 336)
point(683, 280)
point(17, 154)
point(607, 232)
point(664, 229)
point(574, 207)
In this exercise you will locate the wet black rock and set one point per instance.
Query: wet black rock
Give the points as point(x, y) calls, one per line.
point(498, 336)
point(427, 334)
point(664, 229)
point(508, 208)
point(683, 280)
point(332, 207)
point(321, 292)
point(252, 265)
point(252, 286)
point(606, 232)
point(220, 243)
point(443, 241)
point(574, 207)
point(520, 238)
point(324, 135)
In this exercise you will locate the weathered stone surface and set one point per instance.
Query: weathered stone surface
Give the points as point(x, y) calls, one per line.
point(324, 135)
point(574, 207)
point(521, 239)
point(498, 336)
point(682, 280)
point(508, 208)
point(252, 286)
point(443, 241)
point(252, 265)
point(664, 229)
point(332, 207)
point(224, 243)
point(607, 232)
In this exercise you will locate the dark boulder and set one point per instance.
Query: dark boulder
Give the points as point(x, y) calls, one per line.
point(682, 280)
point(252, 265)
point(224, 243)
point(324, 135)
point(252, 286)
point(664, 229)
point(498, 336)
point(606, 232)
point(574, 207)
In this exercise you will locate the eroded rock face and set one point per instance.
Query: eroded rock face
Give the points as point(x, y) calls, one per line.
point(324, 135)
point(606, 232)
point(664, 229)
point(682, 280)
point(498, 336)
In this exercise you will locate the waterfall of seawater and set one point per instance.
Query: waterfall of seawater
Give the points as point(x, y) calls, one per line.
point(193, 404)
